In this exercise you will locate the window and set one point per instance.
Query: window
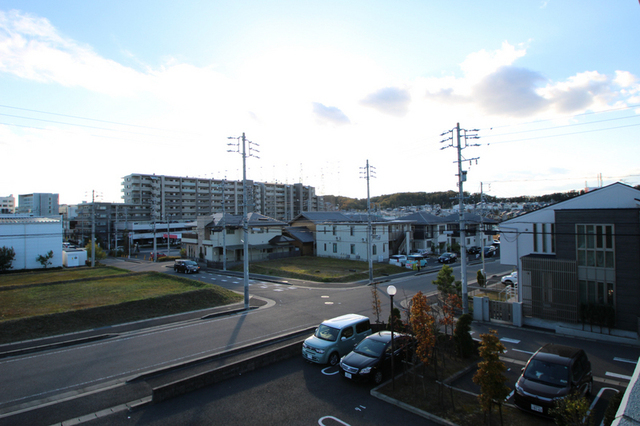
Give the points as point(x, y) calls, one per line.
point(347, 332)
point(373, 230)
point(335, 230)
point(352, 230)
point(325, 246)
point(535, 237)
point(231, 231)
point(595, 246)
point(335, 247)
point(353, 249)
point(544, 238)
point(374, 250)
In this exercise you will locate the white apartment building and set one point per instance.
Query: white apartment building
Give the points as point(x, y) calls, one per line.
point(8, 205)
point(31, 237)
point(39, 204)
point(186, 198)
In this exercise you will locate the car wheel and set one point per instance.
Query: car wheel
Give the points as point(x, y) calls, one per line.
point(377, 377)
point(508, 283)
point(333, 359)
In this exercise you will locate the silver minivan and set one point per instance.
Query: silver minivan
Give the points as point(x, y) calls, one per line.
point(335, 337)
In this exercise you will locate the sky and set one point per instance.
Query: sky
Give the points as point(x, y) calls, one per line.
point(92, 91)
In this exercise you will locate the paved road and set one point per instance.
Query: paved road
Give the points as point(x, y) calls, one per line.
point(38, 378)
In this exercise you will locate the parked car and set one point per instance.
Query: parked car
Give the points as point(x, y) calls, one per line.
point(371, 359)
point(489, 251)
point(335, 338)
point(510, 279)
point(398, 260)
point(474, 250)
point(415, 260)
point(186, 266)
point(422, 252)
point(448, 258)
point(552, 373)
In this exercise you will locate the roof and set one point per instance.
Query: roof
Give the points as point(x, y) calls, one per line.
point(469, 218)
point(614, 196)
point(343, 320)
point(254, 220)
point(319, 217)
point(300, 233)
point(423, 218)
point(558, 354)
point(22, 220)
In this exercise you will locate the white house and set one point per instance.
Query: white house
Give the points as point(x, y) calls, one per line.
point(31, 237)
point(217, 235)
point(348, 240)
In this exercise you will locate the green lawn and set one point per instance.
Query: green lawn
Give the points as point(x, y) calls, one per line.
point(56, 275)
point(36, 308)
point(321, 269)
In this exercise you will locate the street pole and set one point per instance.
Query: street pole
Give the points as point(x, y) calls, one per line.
point(391, 291)
point(245, 223)
point(463, 245)
point(93, 228)
point(224, 228)
point(369, 228)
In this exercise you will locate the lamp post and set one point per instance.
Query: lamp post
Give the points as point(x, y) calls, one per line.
point(391, 291)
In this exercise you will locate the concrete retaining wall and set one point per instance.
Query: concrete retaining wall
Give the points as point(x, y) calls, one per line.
point(219, 374)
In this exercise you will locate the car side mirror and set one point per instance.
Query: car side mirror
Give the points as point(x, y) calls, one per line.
point(343, 338)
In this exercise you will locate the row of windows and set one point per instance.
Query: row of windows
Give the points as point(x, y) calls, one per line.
point(352, 248)
point(595, 246)
point(596, 292)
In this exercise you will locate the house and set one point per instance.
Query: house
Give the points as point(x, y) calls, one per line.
point(479, 230)
point(579, 254)
point(31, 237)
point(428, 231)
point(218, 236)
point(340, 236)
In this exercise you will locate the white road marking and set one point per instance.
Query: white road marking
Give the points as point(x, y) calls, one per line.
point(322, 419)
point(630, 361)
point(328, 303)
point(515, 342)
point(617, 376)
point(331, 373)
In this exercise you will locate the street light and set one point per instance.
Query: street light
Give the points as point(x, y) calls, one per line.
point(391, 291)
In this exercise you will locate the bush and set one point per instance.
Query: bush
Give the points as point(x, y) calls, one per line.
point(462, 336)
point(612, 408)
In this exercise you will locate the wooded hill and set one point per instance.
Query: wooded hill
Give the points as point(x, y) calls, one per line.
point(444, 199)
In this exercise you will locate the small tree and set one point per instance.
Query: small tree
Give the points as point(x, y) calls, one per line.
point(490, 375)
point(100, 254)
point(462, 336)
point(376, 304)
point(423, 326)
point(446, 282)
point(572, 410)
point(7, 255)
point(46, 259)
point(481, 278)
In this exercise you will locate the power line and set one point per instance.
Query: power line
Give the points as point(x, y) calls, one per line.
point(564, 134)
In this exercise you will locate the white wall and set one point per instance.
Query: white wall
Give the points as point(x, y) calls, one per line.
point(30, 238)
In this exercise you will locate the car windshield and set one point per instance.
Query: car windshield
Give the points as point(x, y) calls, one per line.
point(190, 262)
point(548, 373)
point(370, 347)
point(325, 332)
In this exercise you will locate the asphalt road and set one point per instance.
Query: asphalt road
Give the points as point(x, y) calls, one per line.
point(38, 378)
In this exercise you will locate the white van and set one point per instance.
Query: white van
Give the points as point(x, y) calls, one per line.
point(335, 337)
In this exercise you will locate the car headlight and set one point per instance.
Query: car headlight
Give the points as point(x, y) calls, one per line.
point(519, 389)
point(320, 351)
point(365, 370)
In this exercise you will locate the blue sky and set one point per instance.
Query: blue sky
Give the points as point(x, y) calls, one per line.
point(93, 91)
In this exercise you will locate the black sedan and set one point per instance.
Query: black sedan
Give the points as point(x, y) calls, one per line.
point(371, 359)
point(447, 258)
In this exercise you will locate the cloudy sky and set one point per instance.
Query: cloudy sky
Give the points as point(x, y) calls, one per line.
point(91, 91)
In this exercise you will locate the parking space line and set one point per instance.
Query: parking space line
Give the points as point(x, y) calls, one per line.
point(630, 361)
point(515, 342)
point(617, 376)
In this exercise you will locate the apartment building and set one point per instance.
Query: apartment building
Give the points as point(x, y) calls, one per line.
point(186, 198)
point(38, 204)
point(8, 205)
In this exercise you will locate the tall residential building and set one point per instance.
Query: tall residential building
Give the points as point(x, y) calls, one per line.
point(8, 205)
point(186, 198)
point(38, 204)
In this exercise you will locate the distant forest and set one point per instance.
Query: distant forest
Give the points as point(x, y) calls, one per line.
point(444, 199)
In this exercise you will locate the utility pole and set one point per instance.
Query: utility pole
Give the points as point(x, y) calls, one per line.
point(93, 228)
point(462, 177)
point(245, 210)
point(224, 227)
point(369, 227)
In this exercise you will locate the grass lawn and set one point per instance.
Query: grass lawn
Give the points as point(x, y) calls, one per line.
point(56, 275)
point(87, 301)
point(321, 269)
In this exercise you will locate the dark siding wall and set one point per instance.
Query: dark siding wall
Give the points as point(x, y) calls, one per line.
point(627, 248)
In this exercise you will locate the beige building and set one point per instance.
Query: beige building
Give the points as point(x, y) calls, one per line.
point(186, 198)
